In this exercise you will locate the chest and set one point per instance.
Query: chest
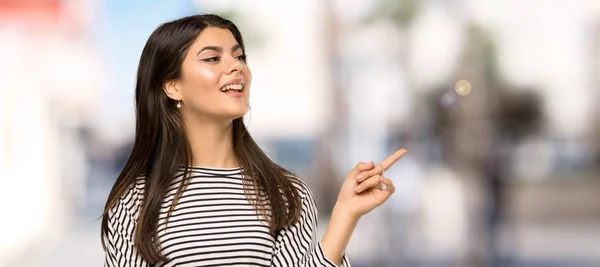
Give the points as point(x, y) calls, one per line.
point(214, 224)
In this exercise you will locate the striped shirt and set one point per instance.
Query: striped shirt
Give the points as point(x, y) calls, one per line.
point(214, 224)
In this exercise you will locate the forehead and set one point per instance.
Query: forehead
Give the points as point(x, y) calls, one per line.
point(213, 36)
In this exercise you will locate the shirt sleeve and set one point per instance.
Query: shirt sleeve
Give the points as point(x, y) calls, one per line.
point(297, 245)
point(120, 251)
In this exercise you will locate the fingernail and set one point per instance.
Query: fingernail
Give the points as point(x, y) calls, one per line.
point(357, 188)
point(360, 176)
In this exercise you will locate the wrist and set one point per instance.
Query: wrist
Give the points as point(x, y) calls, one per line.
point(338, 233)
point(342, 213)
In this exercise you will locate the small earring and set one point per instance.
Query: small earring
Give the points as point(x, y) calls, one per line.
point(179, 104)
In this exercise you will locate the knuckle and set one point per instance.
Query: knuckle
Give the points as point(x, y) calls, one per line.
point(374, 181)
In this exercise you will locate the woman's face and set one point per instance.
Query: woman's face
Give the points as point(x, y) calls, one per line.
point(215, 79)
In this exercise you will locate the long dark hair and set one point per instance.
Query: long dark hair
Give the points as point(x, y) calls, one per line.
point(161, 146)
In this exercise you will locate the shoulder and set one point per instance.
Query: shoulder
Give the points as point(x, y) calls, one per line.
point(130, 202)
point(136, 190)
point(303, 188)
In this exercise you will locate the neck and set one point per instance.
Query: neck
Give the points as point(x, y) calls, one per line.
point(211, 144)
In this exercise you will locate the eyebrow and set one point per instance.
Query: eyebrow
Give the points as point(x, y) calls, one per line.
point(218, 49)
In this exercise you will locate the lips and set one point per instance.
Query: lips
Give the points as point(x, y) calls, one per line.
point(234, 94)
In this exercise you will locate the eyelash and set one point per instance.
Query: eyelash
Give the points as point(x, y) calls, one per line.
point(216, 59)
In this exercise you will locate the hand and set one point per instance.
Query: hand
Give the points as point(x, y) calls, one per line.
point(363, 190)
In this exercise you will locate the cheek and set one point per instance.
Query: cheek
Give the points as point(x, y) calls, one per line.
point(200, 84)
point(206, 77)
point(248, 76)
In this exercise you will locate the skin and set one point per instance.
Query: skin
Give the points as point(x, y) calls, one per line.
point(215, 59)
point(361, 192)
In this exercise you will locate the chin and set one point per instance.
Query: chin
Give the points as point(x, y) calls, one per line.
point(236, 115)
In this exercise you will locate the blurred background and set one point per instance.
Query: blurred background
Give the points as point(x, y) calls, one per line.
point(496, 101)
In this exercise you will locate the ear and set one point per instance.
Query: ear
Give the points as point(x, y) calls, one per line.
point(171, 88)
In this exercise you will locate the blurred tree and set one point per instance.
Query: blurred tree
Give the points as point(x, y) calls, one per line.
point(398, 12)
point(253, 36)
point(326, 182)
point(595, 66)
point(401, 14)
point(478, 132)
point(466, 123)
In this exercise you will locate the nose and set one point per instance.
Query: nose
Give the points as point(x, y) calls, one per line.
point(235, 65)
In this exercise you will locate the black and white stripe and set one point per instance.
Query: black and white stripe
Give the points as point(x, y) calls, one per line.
point(214, 224)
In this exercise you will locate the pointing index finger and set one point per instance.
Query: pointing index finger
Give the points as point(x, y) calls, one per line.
point(389, 161)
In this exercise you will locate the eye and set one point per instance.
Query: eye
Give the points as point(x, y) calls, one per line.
point(241, 58)
point(211, 59)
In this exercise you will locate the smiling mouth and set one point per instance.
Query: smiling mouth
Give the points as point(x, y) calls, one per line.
point(233, 87)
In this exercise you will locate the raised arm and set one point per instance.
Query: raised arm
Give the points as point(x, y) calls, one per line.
point(362, 191)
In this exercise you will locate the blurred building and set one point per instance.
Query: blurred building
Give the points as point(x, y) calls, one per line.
point(29, 177)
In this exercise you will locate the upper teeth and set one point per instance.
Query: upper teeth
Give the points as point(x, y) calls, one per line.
point(236, 86)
